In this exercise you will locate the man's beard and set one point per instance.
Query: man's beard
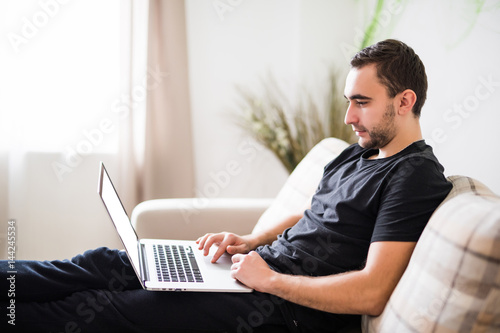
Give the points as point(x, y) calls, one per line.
point(383, 133)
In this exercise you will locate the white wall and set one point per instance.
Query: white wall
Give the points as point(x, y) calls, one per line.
point(298, 40)
point(461, 115)
point(225, 50)
point(242, 46)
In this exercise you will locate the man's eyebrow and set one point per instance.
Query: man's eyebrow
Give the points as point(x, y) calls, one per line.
point(358, 96)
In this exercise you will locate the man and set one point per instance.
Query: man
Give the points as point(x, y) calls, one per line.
point(369, 210)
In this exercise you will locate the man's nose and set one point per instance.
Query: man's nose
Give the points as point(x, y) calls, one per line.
point(350, 115)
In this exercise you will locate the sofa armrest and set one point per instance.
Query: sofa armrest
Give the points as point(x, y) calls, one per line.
point(191, 218)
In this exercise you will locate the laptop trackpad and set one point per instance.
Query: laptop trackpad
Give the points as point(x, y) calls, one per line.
point(224, 262)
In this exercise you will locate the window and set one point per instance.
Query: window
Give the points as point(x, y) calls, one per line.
point(60, 65)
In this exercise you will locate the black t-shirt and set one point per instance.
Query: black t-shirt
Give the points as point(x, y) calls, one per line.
point(360, 201)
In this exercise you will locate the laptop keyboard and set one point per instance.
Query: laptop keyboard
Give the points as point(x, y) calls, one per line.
point(176, 263)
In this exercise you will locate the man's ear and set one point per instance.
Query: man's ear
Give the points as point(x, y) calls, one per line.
point(407, 101)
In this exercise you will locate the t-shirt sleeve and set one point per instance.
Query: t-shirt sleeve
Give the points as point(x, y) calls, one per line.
point(413, 190)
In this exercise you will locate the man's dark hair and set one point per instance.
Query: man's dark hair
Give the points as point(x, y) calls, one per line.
point(398, 68)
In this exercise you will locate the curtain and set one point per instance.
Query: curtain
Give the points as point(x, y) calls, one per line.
point(168, 156)
point(157, 151)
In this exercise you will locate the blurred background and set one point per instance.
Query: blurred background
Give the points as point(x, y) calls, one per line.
point(153, 89)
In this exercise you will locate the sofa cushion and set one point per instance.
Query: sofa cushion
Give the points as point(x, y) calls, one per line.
point(452, 283)
point(295, 195)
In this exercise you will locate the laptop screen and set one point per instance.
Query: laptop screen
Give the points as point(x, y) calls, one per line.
point(119, 217)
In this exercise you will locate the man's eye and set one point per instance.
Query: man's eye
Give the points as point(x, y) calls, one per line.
point(359, 103)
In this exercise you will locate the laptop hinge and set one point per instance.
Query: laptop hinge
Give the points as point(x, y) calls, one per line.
point(143, 262)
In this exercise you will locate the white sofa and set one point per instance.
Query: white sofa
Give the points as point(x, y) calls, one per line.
point(452, 283)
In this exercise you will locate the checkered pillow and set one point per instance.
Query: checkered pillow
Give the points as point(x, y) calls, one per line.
point(452, 283)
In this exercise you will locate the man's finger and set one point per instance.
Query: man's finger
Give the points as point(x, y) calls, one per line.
point(202, 240)
point(211, 240)
point(220, 251)
point(237, 258)
point(234, 249)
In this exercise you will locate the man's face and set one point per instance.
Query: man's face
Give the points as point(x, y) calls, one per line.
point(371, 112)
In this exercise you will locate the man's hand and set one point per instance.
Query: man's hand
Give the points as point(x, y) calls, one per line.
point(234, 244)
point(227, 242)
point(251, 270)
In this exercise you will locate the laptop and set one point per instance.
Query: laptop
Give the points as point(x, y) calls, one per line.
point(167, 265)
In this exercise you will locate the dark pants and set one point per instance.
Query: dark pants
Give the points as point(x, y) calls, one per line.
point(99, 292)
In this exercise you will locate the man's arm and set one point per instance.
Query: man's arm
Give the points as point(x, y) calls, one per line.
point(359, 292)
point(233, 244)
